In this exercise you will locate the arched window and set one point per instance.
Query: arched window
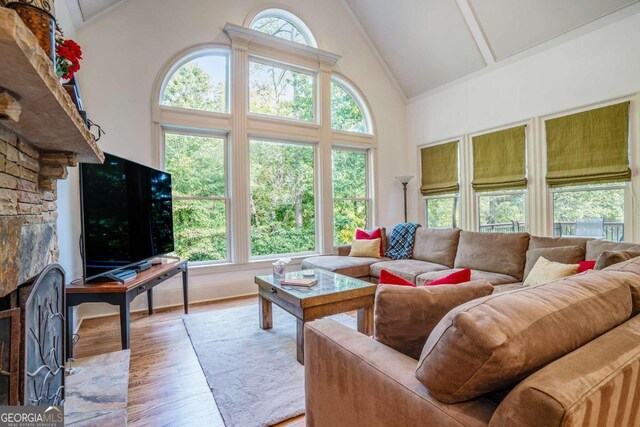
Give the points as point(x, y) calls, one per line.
point(199, 81)
point(347, 110)
point(283, 24)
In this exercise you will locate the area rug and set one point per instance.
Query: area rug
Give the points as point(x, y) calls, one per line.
point(252, 373)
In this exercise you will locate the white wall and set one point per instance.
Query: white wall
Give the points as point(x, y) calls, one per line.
point(125, 49)
point(596, 67)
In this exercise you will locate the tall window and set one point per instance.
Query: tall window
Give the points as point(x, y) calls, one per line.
point(199, 82)
point(283, 219)
point(280, 92)
point(200, 202)
point(587, 171)
point(502, 213)
point(283, 24)
point(442, 211)
point(346, 112)
point(351, 201)
point(595, 211)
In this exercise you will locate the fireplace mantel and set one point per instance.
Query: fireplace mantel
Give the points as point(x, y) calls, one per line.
point(36, 106)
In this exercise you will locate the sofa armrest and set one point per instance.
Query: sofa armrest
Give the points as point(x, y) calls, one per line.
point(351, 379)
point(342, 250)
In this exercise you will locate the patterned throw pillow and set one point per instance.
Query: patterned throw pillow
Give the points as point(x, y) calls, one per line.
point(401, 242)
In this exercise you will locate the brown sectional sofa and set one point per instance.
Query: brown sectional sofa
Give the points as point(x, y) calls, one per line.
point(565, 353)
point(503, 259)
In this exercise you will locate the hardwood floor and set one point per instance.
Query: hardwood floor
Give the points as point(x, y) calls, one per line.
point(166, 384)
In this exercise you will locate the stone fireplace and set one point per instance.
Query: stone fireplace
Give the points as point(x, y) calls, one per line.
point(41, 134)
point(31, 322)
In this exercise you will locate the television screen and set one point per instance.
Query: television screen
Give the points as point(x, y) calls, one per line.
point(127, 214)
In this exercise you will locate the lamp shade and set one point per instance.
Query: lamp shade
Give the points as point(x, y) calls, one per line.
point(404, 179)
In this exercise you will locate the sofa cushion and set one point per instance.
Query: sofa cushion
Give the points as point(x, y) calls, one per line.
point(507, 288)
point(493, 278)
point(608, 258)
point(502, 253)
point(387, 278)
point(561, 254)
point(633, 267)
point(595, 385)
point(493, 342)
point(546, 271)
point(437, 246)
point(405, 268)
point(460, 276)
point(348, 266)
point(553, 242)
point(404, 317)
point(596, 247)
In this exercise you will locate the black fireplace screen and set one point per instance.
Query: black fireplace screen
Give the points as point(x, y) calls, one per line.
point(9, 356)
point(43, 335)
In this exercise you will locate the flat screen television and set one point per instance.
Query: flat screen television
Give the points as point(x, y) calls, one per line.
point(127, 216)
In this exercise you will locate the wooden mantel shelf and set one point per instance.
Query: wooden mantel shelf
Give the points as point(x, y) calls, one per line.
point(48, 119)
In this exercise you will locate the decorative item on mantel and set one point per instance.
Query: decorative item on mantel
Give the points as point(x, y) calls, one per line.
point(404, 180)
point(37, 16)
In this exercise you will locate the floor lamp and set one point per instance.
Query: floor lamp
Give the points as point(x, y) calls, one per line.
point(404, 180)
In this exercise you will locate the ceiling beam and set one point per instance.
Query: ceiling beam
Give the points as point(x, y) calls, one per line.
point(476, 30)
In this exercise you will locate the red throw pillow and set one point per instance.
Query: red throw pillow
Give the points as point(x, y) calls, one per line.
point(586, 265)
point(387, 278)
point(461, 276)
point(375, 234)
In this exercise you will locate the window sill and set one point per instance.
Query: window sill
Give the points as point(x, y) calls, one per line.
point(204, 268)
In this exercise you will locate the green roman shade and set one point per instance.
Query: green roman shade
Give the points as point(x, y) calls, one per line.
point(589, 148)
point(440, 169)
point(500, 160)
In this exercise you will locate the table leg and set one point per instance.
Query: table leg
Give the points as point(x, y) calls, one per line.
point(150, 301)
point(124, 322)
point(69, 337)
point(300, 340)
point(365, 320)
point(185, 292)
point(266, 313)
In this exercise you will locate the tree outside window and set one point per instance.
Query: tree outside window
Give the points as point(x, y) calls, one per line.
point(350, 193)
point(283, 219)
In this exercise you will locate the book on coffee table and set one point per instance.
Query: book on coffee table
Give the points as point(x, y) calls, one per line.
point(306, 283)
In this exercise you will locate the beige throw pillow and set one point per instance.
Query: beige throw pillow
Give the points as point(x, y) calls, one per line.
point(545, 271)
point(365, 248)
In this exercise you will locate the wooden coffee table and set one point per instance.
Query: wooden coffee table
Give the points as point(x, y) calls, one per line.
point(333, 294)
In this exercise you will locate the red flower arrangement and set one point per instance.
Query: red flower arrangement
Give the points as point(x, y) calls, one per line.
point(68, 56)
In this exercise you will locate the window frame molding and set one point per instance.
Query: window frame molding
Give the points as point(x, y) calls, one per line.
point(238, 126)
point(425, 207)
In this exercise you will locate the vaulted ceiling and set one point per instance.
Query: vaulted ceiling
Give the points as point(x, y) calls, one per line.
point(428, 43)
point(425, 44)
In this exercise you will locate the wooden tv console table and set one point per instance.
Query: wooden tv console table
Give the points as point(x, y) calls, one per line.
point(121, 294)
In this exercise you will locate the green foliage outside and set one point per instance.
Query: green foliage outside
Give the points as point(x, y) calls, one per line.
point(349, 182)
point(281, 28)
point(443, 212)
point(282, 175)
point(282, 198)
point(280, 92)
point(502, 209)
point(191, 87)
point(345, 112)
